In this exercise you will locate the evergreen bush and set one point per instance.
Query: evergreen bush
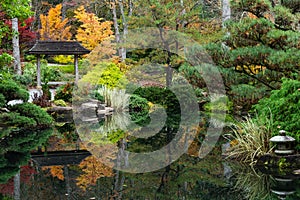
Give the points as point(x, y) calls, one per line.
point(33, 111)
point(284, 106)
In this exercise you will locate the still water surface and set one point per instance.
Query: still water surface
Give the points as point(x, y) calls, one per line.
point(72, 172)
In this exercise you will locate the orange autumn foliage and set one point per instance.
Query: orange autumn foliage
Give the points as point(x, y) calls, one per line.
point(53, 27)
point(92, 31)
point(92, 170)
point(56, 171)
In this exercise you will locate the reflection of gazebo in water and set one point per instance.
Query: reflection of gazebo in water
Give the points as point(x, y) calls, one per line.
point(57, 48)
point(53, 158)
point(61, 158)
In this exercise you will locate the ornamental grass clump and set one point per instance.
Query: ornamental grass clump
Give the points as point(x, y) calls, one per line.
point(250, 140)
point(115, 98)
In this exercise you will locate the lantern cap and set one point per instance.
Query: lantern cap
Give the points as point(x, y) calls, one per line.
point(280, 138)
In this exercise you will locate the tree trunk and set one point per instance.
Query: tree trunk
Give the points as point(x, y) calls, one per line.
point(116, 25)
point(130, 8)
point(125, 31)
point(16, 48)
point(17, 182)
point(226, 12)
point(169, 69)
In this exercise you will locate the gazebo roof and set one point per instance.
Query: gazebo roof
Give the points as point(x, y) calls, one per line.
point(58, 48)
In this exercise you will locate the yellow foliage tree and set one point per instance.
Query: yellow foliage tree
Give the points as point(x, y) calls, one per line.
point(53, 27)
point(92, 31)
point(92, 170)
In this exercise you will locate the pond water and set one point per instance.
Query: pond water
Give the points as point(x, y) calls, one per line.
point(67, 167)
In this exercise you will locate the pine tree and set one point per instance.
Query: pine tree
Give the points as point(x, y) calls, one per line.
point(263, 45)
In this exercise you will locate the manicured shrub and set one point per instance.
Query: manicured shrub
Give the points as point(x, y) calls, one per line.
point(60, 102)
point(35, 112)
point(16, 120)
point(10, 90)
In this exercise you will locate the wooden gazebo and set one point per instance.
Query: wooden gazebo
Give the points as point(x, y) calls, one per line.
point(57, 48)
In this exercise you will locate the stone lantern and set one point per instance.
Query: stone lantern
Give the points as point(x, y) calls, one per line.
point(284, 143)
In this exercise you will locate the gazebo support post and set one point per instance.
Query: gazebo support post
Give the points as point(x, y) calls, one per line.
point(38, 71)
point(76, 69)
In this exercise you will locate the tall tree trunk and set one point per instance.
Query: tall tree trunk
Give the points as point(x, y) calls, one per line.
point(130, 8)
point(17, 182)
point(183, 12)
point(125, 29)
point(169, 69)
point(116, 25)
point(16, 48)
point(226, 11)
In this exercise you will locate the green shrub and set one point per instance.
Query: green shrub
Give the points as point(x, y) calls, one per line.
point(16, 120)
point(162, 96)
point(108, 74)
point(30, 58)
point(139, 109)
point(35, 112)
point(25, 79)
point(65, 68)
point(2, 100)
point(65, 92)
point(165, 98)
point(60, 102)
point(5, 60)
point(47, 73)
point(284, 106)
point(50, 74)
point(11, 90)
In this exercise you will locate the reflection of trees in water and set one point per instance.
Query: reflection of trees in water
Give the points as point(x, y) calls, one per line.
point(15, 150)
point(188, 178)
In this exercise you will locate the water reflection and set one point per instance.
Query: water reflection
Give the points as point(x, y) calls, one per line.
point(76, 174)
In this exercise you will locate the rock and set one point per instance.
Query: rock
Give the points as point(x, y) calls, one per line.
point(89, 105)
point(59, 109)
